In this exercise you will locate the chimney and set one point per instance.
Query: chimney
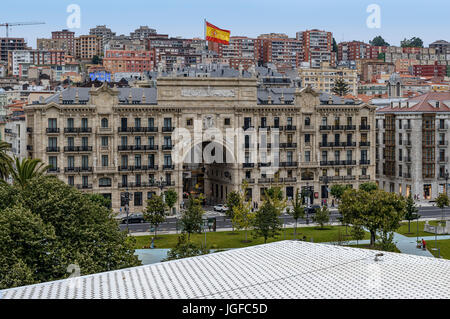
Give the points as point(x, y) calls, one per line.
point(269, 99)
point(330, 99)
point(144, 100)
point(77, 98)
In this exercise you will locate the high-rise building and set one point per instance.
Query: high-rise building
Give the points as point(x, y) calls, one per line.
point(278, 49)
point(66, 35)
point(356, 50)
point(317, 47)
point(11, 44)
point(104, 35)
point(87, 46)
point(53, 44)
point(142, 33)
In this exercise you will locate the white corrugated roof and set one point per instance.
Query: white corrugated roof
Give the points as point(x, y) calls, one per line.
point(286, 269)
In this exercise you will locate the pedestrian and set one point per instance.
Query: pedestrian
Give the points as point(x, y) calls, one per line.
point(424, 244)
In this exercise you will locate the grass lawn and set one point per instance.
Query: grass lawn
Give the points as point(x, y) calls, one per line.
point(366, 246)
point(403, 230)
point(228, 239)
point(444, 245)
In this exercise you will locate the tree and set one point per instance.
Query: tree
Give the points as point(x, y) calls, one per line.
point(341, 87)
point(442, 202)
point(99, 199)
point(96, 59)
point(185, 248)
point(411, 211)
point(5, 160)
point(358, 233)
point(267, 222)
point(337, 190)
point(368, 187)
point(274, 195)
point(242, 212)
point(375, 210)
point(191, 219)
point(378, 41)
point(297, 211)
point(171, 197)
point(412, 43)
point(322, 216)
point(233, 200)
point(48, 225)
point(155, 212)
point(26, 169)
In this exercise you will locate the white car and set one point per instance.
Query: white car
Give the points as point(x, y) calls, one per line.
point(220, 208)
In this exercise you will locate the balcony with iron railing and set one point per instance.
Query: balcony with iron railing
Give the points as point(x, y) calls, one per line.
point(443, 159)
point(77, 149)
point(73, 169)
point(248, 165)
point(289, 164)
point(364, 177)
point(140, 129)
point(442, 143)
point(53, 149)
point(325, 127)
point(168, 129)
point(290, 128)
point(406, 175)
point(168, 167)
point(77, 130)
point(167, 147)
point(365, 143)
point(52, 130)
point(364, 162)
point(338, 163)
point(53, 170)
point(364, 127)
point(288, 145)
point(248, 180)
point(84, 186)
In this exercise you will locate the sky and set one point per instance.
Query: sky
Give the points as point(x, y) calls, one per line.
point(345, 18)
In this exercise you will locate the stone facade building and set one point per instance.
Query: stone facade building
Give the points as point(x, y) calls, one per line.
point(412, 145)
point(114, 140)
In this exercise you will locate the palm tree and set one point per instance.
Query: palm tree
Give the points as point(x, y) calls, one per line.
point(26, 169)
point(5, 160)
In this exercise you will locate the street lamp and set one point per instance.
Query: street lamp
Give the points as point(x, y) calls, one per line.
point(126, 197)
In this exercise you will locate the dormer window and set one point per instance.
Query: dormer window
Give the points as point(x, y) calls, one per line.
point(437, 104)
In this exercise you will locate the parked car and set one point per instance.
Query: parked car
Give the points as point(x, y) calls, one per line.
point(220, 208)
point(312, 209)
point(134, 219)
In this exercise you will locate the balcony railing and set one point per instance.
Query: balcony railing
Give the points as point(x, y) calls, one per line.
point(168, 167)
point(288, 145)
point(364, 177)
point(141, 129)
point(52, 130)
point(84, 186)
point(248, 180)
point(167, 147)
point(76, 130)
point(77, 148)
point(331, 163)
point(350, 127)
point(53, 170)
point(288, 164)
point(52, 149)
point(290, 128)
point(338, 127)
point(131, 168)
point(364, 143)
point(364, 162)
point(325, 127)
point(168, 129)
point(364, 127)
point(78, 169)
point(443, 143)
point(248, 165)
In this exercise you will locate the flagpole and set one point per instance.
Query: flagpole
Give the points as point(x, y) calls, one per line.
point(204, 30)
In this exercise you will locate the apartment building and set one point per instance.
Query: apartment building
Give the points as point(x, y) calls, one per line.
point(129, 61)
point(11, 44)
point(53, 45)
point(371, 70)
point(412, 145)
point(104, 34)
point(114, 140)
point(278, 49)
point(143, 32)
point(322, 79)
point(317, 47)
point(87, 46)
point(20, 60)
point(356, 50)
point(67, 35)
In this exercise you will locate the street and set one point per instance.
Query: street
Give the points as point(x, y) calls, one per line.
point(223, 222)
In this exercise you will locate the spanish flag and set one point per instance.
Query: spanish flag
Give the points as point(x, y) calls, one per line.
point(215, 34)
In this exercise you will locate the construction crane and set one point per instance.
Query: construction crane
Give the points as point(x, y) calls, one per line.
point(13, 24)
